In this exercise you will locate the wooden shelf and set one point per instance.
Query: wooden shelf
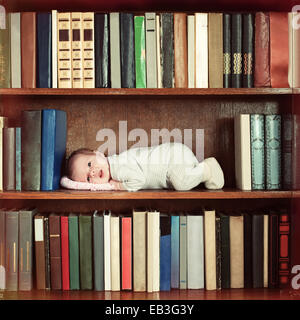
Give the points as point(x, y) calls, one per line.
point(147, 92)
point(147, 194)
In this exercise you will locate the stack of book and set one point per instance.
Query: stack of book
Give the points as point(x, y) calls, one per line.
point(166, 50)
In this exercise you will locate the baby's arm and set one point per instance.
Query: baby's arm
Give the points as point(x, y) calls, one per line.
point(117, 185)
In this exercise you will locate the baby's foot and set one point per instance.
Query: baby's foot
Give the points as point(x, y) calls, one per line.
point(216, 176)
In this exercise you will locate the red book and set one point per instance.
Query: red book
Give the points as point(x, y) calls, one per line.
point(64, 225)
point(126, 253)
point(284, 257)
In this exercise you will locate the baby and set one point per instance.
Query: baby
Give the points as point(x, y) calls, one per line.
point(166, 166)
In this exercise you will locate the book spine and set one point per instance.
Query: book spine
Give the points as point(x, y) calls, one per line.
point(273, 250)
point(284, 254)
point(266, 250)
point(175, 252)
point(225, 252)
point(9, 158)
point(156, 253)
point(236, 51)
point(64, 55)
point(165, 253)
point(65, 252)
point(180, 50)
point(102, 57)
point(257, 136)
point(107, 255)
point(296, 152)
point(150, 251)
point(15, 41)
point(47, 252)
point(115, 253)
point(98, 247)
point(158, 52)
point(77, 49)
point(3, 124)
point(44, 50)
point(2, 251)
point(88, 50)
point(191, 50)
point(140, 52)
point(28, 49)
point(227, 50)
point(127, 50)
point(258, 250)
point(40, 267)
point(5, 59)
point(248, 50)
point(18, 159)
point(183, 253)
point(248, 256)
point(151, 62)
point(273, 151)
point(54, 48)
point(294, 48)
point(262, 50)
point(287, 133)
point(115, 51)
point(126, 253)
point(74, 253)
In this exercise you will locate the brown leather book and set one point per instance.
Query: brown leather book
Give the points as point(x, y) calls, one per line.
point(39, 241)
point(55, 251)
point(28, 49)
point(180, 51)
point(215, 49)
point(9, 159)
point(262, 50)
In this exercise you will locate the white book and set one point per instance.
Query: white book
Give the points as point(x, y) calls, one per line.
point(3, 124)
point(115, 53)
point(266, 249)
point(191, 50)
point(158, 62)
point(54, 48)
point(195, 252)
point(201, 50)
point(15, 51)
point(242, 151)
point(151, 52)
point(182, 252)
point(115, 253)
point(210, 249)
point(107, 270)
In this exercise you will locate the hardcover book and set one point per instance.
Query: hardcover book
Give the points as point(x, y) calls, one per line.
point(151, 62)
point(77, 49)
point(191, 50)
point(140, 51)
point(18, 159)
point(9, 158)
point(2, 250)
point(175, 251)
point(115, 51)
point(98, 248)
point(183, 252)
point(54, 48)
point(273, 250)
point(284, 250)
point(126, 262)
point(258, 250)
point(225, 251)
point(74, 251)
point(3, 124)
point(115, 252)
point(227, 50)
point(236, 50)
point(165, 252)
point(287, 141)
point(39, 244)
point(107, 254)
point(248, 255)
point(5, 59)
point(15, 43)
point(248, 50)
point(65, 266)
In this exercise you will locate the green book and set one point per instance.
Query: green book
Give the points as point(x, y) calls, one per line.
point(5, 55)
point(273, 151)
point(98, 239)
point(85, 252)
point(74, 252)
point(140, 51)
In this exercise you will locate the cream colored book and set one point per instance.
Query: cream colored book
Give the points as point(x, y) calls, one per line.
point(115, 253)
point(54, 48)
point(107, 259)
point(294, 50)
point(158, 62)
point(201, 50)
point(236, 238)
point(64, 62)
point(115, 50)
point(88, 50)
point(210, 249)
point(191, 50)
point(151, 51)
point(266, 249)
point(3, 124)
point(15, 49)
point(77, 50)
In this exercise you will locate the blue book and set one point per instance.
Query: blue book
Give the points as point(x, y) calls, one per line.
point(44, 51)
point(54, 134)
point(165, 253)
point(273, 151)
point(18, 159)
point(174, 251)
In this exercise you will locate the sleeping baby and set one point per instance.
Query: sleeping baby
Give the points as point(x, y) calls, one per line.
point(165, 166)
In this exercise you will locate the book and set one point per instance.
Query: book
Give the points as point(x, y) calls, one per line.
point(127, 50)
point(248, 50)
point(140, 51)
point(85, 251)
point(18, 159)
point(25, 248)
point(64, 54)
point(248, 248)
point(195, 252)
point(227, 50)
point(273, 151)
point(15, 46)
point(165, 253)
point(158, 55)
point(88, 50)
point(236, 50)
point(296, 152)
point(28, 49)
point(218, 254)
point(201, 50)
point(236, 237)
point(107, 255)
point(54, 137)
point(258, 250)
point(77, 49)
point(257, 142)
point(74, 251)
point(39, 246)
point(2, 250)
point(115, 252)
point(115, 51)
point(180, 50)
point(47, 252)
point(294, 47)
point(262, 50)
point(98, 250)
point(65, 265)
point(266, 250)
point(225, 251)
point(191, 50)
point(287, 132)
point(151, 63)
point(3, 124)
point(139, 221)
point(5, 58)
point(210, 249)
point(9, 158)
point(102, 56)
point(284, 250)
point(215, 49)
point(126, 252)
point(175, 264)
point(183, 252)
point(12, 249)
point(242, 150)
point(54, 47)
point(31, 149)
point(273, 255)
point(44, 50)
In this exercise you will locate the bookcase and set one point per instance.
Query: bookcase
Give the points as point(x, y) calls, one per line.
point(89, 110)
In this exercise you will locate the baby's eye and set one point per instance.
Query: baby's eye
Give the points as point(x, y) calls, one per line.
point(88, 179)
point(89, 163)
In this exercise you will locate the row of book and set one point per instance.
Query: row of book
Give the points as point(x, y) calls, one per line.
point(166, 50)
point(264, 159)
point(31, 156)
point(146, 251)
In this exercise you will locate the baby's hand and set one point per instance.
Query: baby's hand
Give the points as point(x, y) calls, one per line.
point(117, 184)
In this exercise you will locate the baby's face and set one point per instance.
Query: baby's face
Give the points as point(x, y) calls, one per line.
point(90, 168)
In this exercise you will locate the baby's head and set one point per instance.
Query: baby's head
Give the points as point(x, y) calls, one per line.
point(85, 165)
